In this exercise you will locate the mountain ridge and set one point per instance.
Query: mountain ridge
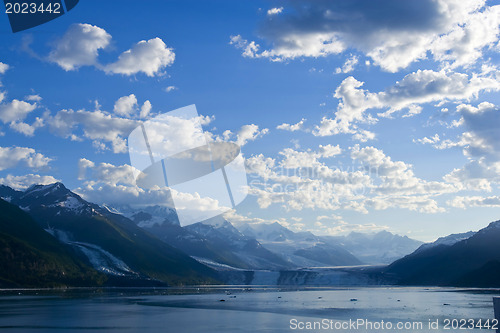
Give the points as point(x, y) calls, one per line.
point(104, 236)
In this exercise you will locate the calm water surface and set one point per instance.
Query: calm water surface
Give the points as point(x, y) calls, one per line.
point(243, 309)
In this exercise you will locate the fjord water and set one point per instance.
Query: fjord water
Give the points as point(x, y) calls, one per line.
point(243, 310)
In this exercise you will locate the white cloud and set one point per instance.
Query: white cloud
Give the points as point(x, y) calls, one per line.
point(98, 126)
point(115, 185)
point(364, 136)
point(33, 98)
point(482, 137)
point(329, 150)
point(300, 180)
point(249, 133)
point(15, 110)
point(478, 175)
point(342, 228)
point(249, 49)
point(11, 157)
point(21, 183)
point(125, 105)
point(293, 159)
point(238, 219)
point(145, 109)
point(274, 11)
point(310, 45)
point(83, 165)
point(293, 127)
point(420, 87)
point(397, 177)
point(464, 43)
point(480, 143)
point(475, 201)
point(432, 140)
point(455, 33)
point(107, 173)
point(3, 67)
point(170, 88)
point(348, 66)
point(79, 46)
point(149, 57)
point(27, 129)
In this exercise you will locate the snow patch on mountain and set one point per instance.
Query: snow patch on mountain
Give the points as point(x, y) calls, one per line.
point(100, 259)
point(103, 261)
point(447, 240)
point(71, 203)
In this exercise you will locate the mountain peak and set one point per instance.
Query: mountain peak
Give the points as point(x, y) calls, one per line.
point(50, 187)
point(492, 226)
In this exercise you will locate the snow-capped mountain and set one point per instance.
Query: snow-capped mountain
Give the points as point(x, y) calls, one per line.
point(30, 257)
point(218, 242)
point(112, 243)
point(473, 261)
point(148, 216)
point(273, 232)
point(302, 249)
point(446, 240)
point(376, 248)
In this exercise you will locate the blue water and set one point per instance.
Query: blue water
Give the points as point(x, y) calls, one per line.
point(243, 310)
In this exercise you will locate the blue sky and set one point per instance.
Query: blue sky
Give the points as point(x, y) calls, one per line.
point(352, 116)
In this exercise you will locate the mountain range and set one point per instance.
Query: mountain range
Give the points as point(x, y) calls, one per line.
point(31, 257)
point(50, 236)
point(382, 247)
point(300, 249)
point(111, 244)
point(471, 259)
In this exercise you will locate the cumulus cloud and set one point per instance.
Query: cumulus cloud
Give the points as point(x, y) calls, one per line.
point(33, 98)
point(480, 143)
point(293, 159)
point(3, 67)
point(79, 46)
point(428, 140)
point(481, 137)
point(397, 177)
point(125, 105)
point(299, 180)
point(348, 66)
point(25, 128)
point(115, 185)
point(292, 127)
point(249, 48)
point(107, 173)
point(420, 87)
point(145, 109)
point(170, 88)
point(274, 11)
point(393, 34)
point(21, 183)
point(249, 133)
point(340, 227)
point(98, 126)
point(11, 157)
point(15, 110)
point(475, 201)
point(149, 57)
point(478, 175)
